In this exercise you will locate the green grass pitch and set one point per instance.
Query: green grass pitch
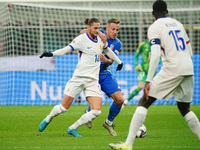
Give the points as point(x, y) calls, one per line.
point(166, 129)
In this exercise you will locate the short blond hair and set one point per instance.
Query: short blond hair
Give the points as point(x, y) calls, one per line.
point(113, 20)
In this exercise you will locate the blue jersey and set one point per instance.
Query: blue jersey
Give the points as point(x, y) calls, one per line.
point(107, 81)
point(115, 46)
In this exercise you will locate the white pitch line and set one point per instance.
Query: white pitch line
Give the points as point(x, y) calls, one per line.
point(105, 147)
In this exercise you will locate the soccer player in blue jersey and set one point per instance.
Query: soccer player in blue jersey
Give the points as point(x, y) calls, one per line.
point(107, 81)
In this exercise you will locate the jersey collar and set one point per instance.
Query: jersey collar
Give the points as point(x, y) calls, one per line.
point(92, 39)
point(162, 17)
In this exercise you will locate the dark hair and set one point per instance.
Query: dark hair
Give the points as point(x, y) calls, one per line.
point(113, 20)
point(90, 21)
point(160, 6)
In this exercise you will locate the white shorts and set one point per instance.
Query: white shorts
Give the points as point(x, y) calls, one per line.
point(178, 87)
point(76, 85)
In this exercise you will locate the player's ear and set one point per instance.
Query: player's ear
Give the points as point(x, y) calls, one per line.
point(153, 13)
point(166, 12)
point(88, 27)
point(107, 27)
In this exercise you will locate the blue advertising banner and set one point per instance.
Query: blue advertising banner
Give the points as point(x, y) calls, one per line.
point(46, 87)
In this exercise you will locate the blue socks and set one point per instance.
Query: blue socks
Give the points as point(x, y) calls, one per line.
point(113, 112)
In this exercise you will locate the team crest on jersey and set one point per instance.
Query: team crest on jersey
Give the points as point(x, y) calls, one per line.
point(101, 47)
point(111, 46)
point(116, 51)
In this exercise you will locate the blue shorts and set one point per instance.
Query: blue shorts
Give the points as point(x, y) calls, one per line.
point(108, 84)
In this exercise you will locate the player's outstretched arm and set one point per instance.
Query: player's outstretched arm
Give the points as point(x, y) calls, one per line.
point(58, 52)
point(112, 55)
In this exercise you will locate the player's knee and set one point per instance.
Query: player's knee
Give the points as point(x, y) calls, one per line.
point(146, 103)
point(141, 85)
point(96, 113)
point(118, 100)
point(184, 108)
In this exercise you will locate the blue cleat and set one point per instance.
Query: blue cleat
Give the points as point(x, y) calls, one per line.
point(43, 125)
point(73, 132)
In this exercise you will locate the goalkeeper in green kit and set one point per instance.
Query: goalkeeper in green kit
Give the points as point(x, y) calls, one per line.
point(142, 69)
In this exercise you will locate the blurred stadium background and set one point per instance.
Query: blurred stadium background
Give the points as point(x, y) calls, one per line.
point(28, 29)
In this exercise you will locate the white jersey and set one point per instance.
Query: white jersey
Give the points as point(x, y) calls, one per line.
point(89, 51)
point(176, 50)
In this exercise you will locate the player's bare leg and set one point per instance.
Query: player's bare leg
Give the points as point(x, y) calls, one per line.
point(190, 118)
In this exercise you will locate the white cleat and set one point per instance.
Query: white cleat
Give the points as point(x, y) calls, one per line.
point(110, 129)
point(89, 124)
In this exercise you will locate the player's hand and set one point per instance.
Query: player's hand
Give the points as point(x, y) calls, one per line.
point(119, 67)
point(102, 58)
point(138, 68)
point(146, 90)
point(103, 37)
point(46, 54)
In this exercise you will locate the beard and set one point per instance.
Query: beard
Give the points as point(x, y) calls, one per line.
point(93, 36)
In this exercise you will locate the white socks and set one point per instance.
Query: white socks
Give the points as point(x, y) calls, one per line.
point(109, 122)
point(57, 109)
point(136, 122)
point(193, 123)
point(140, 115)
point(85, 118)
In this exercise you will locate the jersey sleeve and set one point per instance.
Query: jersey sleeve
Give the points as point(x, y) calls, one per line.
point(154, 38)
point(117, 48)
point(153, 33)
point(75, 44)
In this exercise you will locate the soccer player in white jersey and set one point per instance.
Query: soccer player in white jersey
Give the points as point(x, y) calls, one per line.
point(85, 77)
point(176, 78)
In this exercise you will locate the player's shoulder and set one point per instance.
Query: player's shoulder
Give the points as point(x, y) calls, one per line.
point(118, 44)
point(159, 21)
point(155, 27)
point(103, 31)
point(81, 36)
point(141, 44)
point(118, 41)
